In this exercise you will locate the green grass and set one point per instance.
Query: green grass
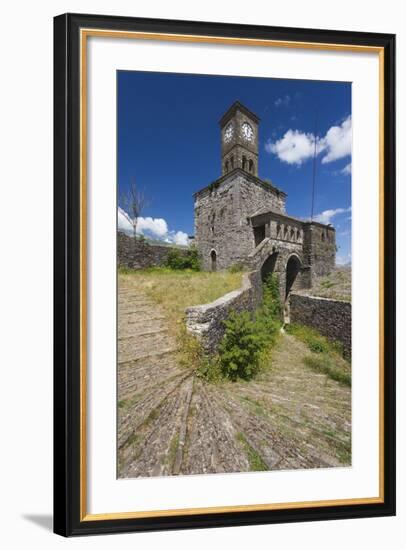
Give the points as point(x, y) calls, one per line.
point(256, 405)
point(344, 454)
point(325, 364)
point(327, 357)
point(125, 403)
point(153, 415)
point(313, 339)
point(173, 449)
point(255, 461)
point(175, 290)
point(131, 440)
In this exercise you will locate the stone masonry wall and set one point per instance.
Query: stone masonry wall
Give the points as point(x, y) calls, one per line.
point(206, 321)
point(221, 218)
point(319, 247)
point(140, 254)
point(332, 318)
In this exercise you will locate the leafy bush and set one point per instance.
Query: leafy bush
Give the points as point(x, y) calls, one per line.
point(183, 260)
point(267, 327)
point(271, 296)
point(247, 339)
point(210, 369)
point(240, 348)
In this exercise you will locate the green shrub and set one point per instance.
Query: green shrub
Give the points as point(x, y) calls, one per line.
point(247, 340)
point(239, 350)
point(188, 259)
point(267, 327)
point(210, 369)
point(271, 296)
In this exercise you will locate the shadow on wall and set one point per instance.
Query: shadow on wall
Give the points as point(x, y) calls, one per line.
point(269, 265)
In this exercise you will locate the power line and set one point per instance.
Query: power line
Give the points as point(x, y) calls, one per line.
point(314, 165)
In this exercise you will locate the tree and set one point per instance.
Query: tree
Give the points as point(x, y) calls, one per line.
point(134, 201)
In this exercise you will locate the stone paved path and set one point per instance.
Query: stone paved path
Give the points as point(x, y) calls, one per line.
point(171, 422)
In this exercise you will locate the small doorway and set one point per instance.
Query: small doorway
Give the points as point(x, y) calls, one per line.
point(292, 271)
point(213, 258)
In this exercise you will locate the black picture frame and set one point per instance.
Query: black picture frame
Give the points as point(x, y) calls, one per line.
point(67, 351)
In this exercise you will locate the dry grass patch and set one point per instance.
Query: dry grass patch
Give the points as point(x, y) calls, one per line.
point(174, 291)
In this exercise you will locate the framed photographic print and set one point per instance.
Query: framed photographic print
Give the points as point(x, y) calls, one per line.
point(224, 274)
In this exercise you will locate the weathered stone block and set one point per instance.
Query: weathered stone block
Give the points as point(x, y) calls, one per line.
point(207, 321)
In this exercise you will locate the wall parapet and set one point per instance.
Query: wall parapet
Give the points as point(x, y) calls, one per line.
point(332, 318)
point(206, 321)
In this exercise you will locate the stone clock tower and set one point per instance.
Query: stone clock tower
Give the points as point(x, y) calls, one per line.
point(241, 220)
point(239, 140)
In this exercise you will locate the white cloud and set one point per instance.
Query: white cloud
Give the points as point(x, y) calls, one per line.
point(327, 215)
point(337, 141)
point(343, 260)
point(181, 238)
point(347, 169)
point(295, 146)
point(156, 228)
point(285, 101)
point(124, 222)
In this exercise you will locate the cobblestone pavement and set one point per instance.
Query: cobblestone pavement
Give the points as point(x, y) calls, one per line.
point(171, 422)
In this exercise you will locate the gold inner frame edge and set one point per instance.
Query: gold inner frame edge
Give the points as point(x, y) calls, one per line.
point(84, 34)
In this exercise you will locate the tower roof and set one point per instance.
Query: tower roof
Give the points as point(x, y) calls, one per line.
point(237, 106)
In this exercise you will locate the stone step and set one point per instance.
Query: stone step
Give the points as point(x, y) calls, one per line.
point(157, 444)
point(138, 332)
point(170, 422)
point(127, 359)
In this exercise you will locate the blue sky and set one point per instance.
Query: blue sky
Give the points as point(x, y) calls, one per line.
point(169, 143)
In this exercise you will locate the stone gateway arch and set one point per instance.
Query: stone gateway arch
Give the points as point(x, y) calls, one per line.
point(241, 219)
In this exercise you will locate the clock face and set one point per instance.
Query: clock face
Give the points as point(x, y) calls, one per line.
point(247, 132)
point(228, 133)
